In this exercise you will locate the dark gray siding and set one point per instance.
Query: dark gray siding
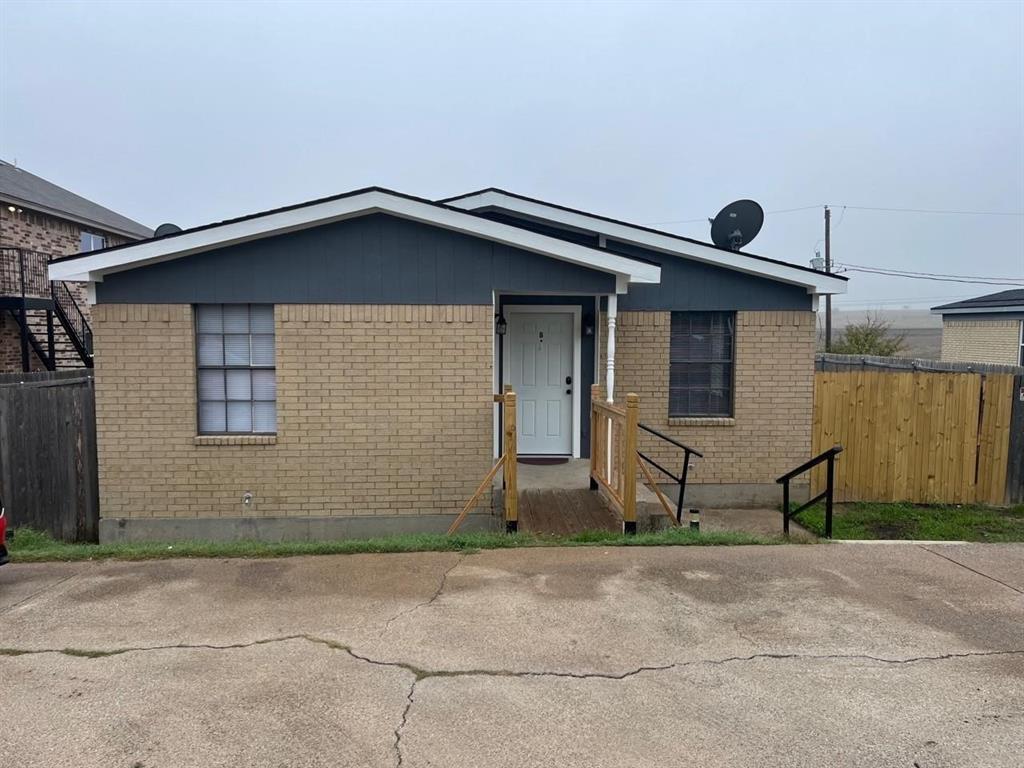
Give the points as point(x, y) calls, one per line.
point(685, 283)
point(692, 285)
point(377, 259)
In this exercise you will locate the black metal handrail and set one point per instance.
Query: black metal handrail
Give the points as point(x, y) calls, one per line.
point(73, 320)
point(681, 478)
point(23, 273)
point(827, 494)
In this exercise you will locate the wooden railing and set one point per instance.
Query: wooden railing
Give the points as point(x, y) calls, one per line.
point(613, 452)
point(506, 461)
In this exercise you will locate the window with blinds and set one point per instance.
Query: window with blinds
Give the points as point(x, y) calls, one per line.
point(701, 364)
point(236, 379)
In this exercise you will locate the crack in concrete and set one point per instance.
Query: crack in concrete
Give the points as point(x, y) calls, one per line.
point(401, 726)
point(972, 570)
point(420, 673)
point(425, 603)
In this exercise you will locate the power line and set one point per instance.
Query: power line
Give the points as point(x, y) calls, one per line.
point(933, 210)
point(936, 279)
point(705, 218)
point(927, 274)
point(936, 211)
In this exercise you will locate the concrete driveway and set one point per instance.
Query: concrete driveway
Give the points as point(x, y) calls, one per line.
point(841, 654)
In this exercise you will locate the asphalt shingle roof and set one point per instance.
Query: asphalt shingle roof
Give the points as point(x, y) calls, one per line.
point(1001, 300)
point(18, 185)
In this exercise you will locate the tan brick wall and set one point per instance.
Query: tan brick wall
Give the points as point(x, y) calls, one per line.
point(381, 410)
point(981, 341)
point(770, 431)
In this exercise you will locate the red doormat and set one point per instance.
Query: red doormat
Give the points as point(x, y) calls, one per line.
point(542, 461)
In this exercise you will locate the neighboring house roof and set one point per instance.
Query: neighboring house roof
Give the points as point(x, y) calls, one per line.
point(493, 198)
point(23, 188)
point(1004, 301)
point(94, 265)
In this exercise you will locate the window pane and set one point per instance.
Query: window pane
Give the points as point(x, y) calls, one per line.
point(264, 385)
point(211, 385)
point(236, 318)
point(261, 318)
point(208, 318)
point(211, 349)
point(240, 417)
point(236, 349)
point(211, 417)
point(264, 417)
point(239, 386)
point(263, 350)
point(701, 364)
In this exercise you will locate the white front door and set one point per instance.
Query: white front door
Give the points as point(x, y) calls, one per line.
point(540, 369)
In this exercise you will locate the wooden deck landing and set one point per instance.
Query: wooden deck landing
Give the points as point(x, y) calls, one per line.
point(565, 511)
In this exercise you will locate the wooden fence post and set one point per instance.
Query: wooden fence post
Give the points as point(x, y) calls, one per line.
point(595, 396)
point(510, 452)
point(629, 446)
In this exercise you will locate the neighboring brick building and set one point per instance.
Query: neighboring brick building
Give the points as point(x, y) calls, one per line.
point(986, 329)
point(39, 222)
point(327, 369)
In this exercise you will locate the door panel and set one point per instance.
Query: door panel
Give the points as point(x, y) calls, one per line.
point(540, 361)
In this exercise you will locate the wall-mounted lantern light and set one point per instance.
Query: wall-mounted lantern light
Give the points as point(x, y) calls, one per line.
point(588, 324)
point(500, 325)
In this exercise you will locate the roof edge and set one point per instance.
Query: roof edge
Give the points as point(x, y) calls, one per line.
point(647, 230)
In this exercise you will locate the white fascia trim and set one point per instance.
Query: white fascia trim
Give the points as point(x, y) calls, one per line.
point(977, 310)
point(93, 268)
point(815, 283)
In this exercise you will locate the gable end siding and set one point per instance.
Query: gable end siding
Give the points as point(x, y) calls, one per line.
point(375, 259)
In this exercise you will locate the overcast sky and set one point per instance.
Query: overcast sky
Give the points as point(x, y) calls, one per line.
point(195, 112)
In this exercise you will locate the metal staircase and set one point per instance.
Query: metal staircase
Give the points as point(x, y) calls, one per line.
point(50, 324)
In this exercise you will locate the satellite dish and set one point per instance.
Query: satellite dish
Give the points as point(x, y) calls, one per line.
point(737, 224)
point(166, 229)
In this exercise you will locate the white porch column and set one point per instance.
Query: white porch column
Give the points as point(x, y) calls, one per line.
point(609, 377)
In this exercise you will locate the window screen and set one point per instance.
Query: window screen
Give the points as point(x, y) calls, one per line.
point(236, 378)
point(701, 364)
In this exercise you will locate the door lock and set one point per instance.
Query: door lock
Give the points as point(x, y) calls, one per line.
point(568, 379)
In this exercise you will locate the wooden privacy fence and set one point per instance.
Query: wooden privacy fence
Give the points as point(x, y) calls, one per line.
point(48, 453)
point(613, 452)
point(920, 436)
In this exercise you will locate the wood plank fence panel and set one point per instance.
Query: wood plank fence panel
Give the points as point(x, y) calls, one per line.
point(1015, 464)
point(48, 477)
point(931, 437)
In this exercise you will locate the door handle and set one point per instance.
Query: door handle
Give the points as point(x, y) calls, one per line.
point(568, 391)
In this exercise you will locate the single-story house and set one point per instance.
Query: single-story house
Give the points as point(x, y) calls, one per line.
point(328, 368)
point(985, 329)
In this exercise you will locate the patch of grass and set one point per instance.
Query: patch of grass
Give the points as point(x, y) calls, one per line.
point(28, 546)
point(918, 521)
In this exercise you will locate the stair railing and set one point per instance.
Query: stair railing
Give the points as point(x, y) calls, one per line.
point(73, 319)
point(830, 476)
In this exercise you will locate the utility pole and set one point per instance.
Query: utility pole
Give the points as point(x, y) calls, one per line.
point(828, 268)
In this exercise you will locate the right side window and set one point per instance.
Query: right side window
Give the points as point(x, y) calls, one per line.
point(701, 361)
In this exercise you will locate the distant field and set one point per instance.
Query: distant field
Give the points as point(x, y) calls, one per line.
point(921, 329)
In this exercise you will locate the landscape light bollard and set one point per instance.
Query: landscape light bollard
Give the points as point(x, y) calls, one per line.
point(695, 520)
